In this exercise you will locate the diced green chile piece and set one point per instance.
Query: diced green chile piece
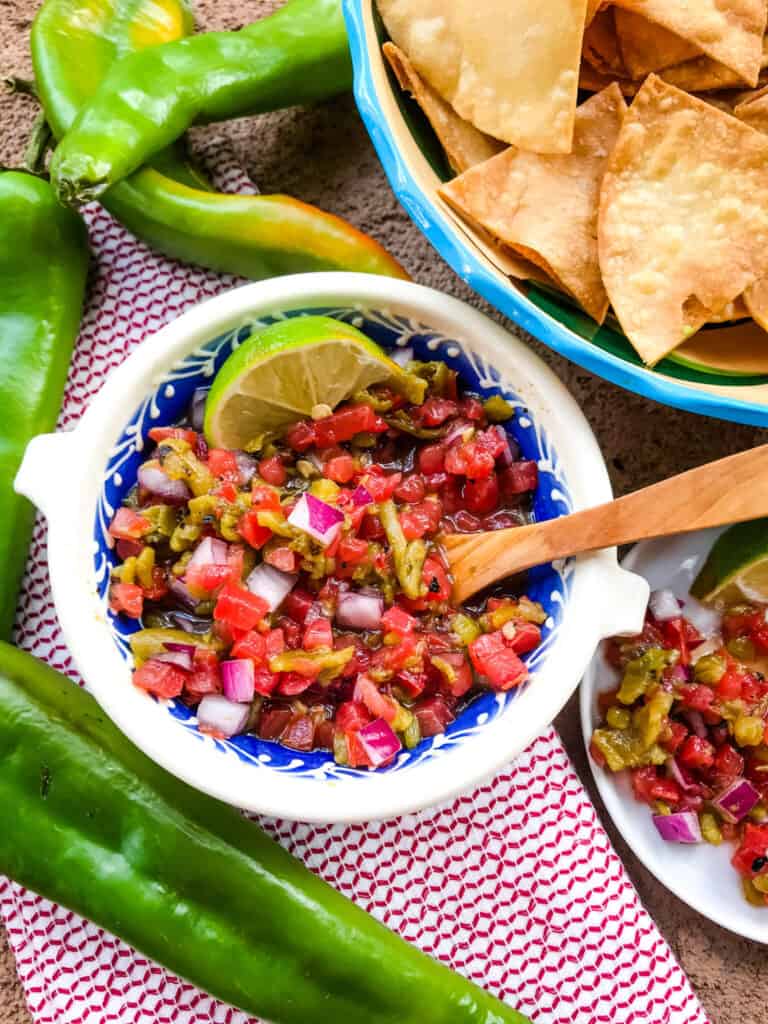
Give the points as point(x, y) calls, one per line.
point(103, 830)
point(643, 672)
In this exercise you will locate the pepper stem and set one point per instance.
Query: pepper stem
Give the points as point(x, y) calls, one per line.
point(39, 140)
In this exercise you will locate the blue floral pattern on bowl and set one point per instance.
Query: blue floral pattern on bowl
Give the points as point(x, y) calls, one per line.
point(548, 584)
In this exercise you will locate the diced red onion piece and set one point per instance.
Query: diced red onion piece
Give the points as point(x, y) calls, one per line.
point(459, 428)
point(360, 609)
point(361, 496)
point(696, 722)
point(511, 451)
point(664, 605)
point(706, 620)
point(182, 648)
point(181, 659)
point(170, 492)
point(710, 646)
point(317, 518)
point(680, 674)
point(197, 408)
point(246, 465)
point(379, 742)
point(181, 591)
point(237, 679)
point(210, 551)
point(737, 800)
point(674, 771)
point(680, 827)
point(224, 717)
point(272, 584)
point(402, 356)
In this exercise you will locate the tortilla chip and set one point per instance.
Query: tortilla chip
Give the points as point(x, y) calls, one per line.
point(706, 75)
point(524, 94)
point(464, 145)
point(593, 81)
point(646, 46)
point(593, 6)
point(683, 226)
point(756, 300)
point(545, 207)
point(753, 109)
point(730, 33)
point(736, 310)
point(601, 45)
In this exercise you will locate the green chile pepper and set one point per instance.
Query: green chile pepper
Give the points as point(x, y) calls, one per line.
point(168, 203)
point(101, 829)
point(43, 268)
point(148, 99)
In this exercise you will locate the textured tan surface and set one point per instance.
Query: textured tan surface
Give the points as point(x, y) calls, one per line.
point(324, 156)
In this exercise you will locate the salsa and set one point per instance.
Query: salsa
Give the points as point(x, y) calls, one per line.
point(689, 721)
point(298, 590)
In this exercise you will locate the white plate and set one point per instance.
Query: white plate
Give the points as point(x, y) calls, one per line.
point(701, 875)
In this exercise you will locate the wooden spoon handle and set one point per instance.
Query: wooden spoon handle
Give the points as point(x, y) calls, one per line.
point(727, 491)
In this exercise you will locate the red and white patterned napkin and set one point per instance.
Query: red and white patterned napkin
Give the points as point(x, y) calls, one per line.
point(515, 885)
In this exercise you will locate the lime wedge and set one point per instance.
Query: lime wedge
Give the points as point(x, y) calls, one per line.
point(736, 568)
point(282, 373)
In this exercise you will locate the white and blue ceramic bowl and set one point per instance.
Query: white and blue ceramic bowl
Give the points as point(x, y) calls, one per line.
point(78, 479)
point(415, 165)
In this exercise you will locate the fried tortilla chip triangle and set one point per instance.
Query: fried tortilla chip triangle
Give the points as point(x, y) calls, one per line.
point(545, 207)
point(731, 33)
point(646, 46)
point(524, 94)
point(683, 227)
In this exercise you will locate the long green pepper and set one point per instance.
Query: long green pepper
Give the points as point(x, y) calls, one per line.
point(43, 269)
point(98, 827)
point(167, 202)
point(148, 99)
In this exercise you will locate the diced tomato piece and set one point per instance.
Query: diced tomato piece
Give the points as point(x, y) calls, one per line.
point(239, 608)
point(470, 460)
point(697, 697)
point(299, 734)
point(379, 705)
point(223, 464)
point(434, 716)
point(521, 636)
point(673, 631)
point(361, 659)
point(519, 478)
point(435, 579)
point(298, 603)
point(273, 471)
point(351, 716)
point(204, 579)
point(643, 782)
point(158, 434)
point(204, 677)
point(411, 489)
point(160, 678)
point(356, 753)
point(382, 487)
point(435, 411)
point(227, 491)
point(450, 495)
point(751, 858)
point(740, 623)
point(159, 586)
point(397, 620)
point(324, 732)
point(596, 754)
point(759, 636)
point(728, 764)
point(319, 633)
point(291, 632)
point(126, 598)
point(472, 409)
point(341, 468)
point(251, 645)
point(431, 459)
point(696, 753)
point(129, 525)
point(128, 549)
point(498, 663)
point(730, 684)
point(282, 558)
point(273, 721)
point(264, 681)
point(345, 423)
point(371, 528)
point(293, 683)
point(464, 680)
point(352, 550)
point(251, 531)
point(411, 683)
point(264, 497)
point(677, 733)
point(301, 436)
point(481, 495)
point(275, 642)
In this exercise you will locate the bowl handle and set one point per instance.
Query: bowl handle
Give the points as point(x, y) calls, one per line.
point(626, 599)
point(46, 463)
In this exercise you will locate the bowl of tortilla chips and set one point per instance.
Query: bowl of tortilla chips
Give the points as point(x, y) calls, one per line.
point(597, 171)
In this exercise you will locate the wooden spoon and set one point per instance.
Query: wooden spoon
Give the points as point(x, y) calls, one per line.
point(727, 491)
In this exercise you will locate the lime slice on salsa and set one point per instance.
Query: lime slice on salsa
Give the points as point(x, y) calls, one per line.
point(736, 569)
point(292, 369)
